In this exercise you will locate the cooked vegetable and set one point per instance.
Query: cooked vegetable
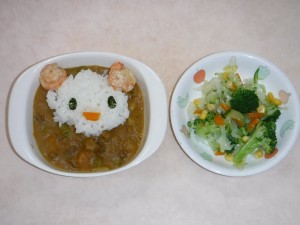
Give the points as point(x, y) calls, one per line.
point(263, 137)
point(253, 124)
point(93, 116)
point(219, 120)
point(272, 115)
point(270, 155)
point(225, 106)
point(244, 100)
point(236, 118)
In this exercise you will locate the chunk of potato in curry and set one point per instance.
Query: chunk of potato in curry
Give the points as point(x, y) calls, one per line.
point(67, 150)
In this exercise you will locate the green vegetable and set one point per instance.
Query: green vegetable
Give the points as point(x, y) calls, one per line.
point(272, 113)
point(263, 137)
point(234, 138)
point(207, 129)
point(255, 78)
point(244, 100)
point(72, 104)
point(111, 102)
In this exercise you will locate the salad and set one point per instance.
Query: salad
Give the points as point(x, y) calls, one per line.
point(236, 117)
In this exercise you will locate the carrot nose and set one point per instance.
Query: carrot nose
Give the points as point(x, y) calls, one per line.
point(92, 116)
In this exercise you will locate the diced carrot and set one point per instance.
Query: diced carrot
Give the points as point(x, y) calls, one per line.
point(255, 115)
point(225, 106)
point(199, 76)
point(268, 156)
point(253, 124)
point(93, 116)
point(218, 152)
point(219, 120)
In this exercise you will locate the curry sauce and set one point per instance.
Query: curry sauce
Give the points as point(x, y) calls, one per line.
point(67, 150)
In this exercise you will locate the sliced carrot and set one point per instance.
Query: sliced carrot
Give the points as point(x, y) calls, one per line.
point(253, 124)
point(268, 156)
point(225, 106)
point(199, 76)
point(93, 116)
point(255, 115)
point(219, 120)
point(218, 152)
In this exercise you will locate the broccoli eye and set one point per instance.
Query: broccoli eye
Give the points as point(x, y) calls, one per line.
point(72, 104)
point(111, 102)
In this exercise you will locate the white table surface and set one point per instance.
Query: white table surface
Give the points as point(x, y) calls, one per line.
point(168, 36)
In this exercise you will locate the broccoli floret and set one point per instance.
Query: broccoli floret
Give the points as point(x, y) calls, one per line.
point(263, 137)
point(204, 126)
point(244, 100)
point(272, 114)
point(210, 116)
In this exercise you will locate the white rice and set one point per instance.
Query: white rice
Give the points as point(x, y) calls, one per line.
point(91, 92)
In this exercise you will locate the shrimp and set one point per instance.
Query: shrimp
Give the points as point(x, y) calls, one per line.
point(52, 76)
point(121, 78)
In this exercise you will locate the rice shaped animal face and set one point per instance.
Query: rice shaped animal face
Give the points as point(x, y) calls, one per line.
point(88, 102)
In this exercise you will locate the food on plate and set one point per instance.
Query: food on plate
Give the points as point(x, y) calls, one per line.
point(236, 117)
point(121, 78)
point(52, 76)
point(82, 123)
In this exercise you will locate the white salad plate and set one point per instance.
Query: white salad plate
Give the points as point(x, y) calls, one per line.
point(20, 108)
point(271, 77)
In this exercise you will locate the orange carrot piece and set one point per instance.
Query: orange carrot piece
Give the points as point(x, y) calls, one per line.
point(199, 76)
point(225, 106)
point(253, 124)
point(255, 115)
point(93, 116)
point(268, 156)
point(219, 120)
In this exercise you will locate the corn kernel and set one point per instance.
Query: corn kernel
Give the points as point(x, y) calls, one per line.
point(197, 101)
point(272, 99)
point(203, 115)
point(245, 138)
point(258, 154)
point(270, 96)
point(261, 109)
point(277, 102)
point(211, 107)
point(225, 75)
point(229, 157)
